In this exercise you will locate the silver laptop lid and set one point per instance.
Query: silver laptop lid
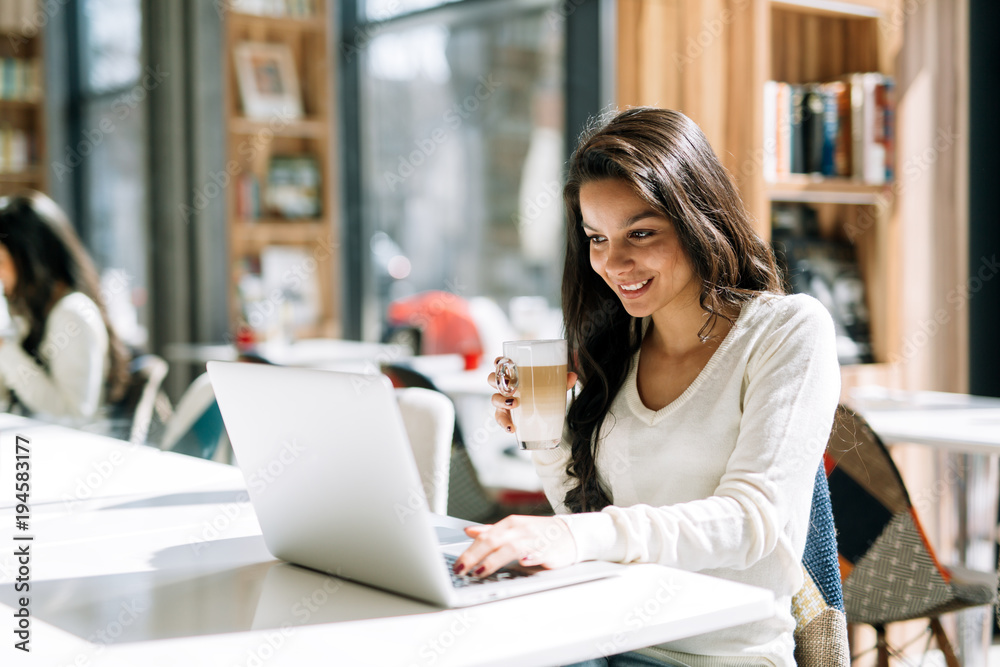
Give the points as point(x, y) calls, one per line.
point(331, 475)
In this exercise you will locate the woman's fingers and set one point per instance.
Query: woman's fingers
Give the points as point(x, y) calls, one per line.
point(543, 541)
point(502, 418)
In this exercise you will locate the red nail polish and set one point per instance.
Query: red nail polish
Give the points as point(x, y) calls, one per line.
point(479, 572)
point(459, 567)
point(509, 401)
point(510, 429)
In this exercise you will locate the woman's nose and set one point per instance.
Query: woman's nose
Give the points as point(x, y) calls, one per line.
point(618, 259)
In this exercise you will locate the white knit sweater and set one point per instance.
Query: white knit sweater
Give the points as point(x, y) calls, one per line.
point(720, 480)
point(74, 347)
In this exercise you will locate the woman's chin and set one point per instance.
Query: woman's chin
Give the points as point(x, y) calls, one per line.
point(634, 309)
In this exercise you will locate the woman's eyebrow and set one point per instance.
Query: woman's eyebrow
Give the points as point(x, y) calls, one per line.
point(629, 221)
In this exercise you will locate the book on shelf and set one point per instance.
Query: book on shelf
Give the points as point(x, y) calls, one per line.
point(833, 129)
point(293, 186)
point(248, 197)
point(20, 79)
point(15, 150)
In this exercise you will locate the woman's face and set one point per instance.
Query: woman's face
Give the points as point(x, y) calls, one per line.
point(635, 249)
point(8, 273)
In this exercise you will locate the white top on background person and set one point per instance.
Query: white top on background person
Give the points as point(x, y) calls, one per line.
point(68, 377)
point(63, 360)
point(706, 398)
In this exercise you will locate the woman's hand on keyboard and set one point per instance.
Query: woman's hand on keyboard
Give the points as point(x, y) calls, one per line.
point(530, 540)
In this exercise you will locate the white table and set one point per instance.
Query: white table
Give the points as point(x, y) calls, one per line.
point(967, 428)
point(347, 355)
point(143, 557)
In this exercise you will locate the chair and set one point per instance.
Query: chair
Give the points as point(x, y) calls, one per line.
point(429, 418)
point(818, 607)
point(195, 426)
point(890, 572)
point(133, 415)
point(467, 499)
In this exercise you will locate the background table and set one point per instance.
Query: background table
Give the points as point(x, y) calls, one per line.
point(967, 429)
point(142, 557)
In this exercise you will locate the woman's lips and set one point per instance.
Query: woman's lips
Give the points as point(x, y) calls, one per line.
point(634, 293)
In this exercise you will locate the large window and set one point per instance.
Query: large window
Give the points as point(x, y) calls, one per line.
point(106, 156)
point(460, 121)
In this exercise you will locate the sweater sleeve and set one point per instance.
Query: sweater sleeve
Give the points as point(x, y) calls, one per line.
point(550, 464)
point(74, 347)
point(792, 388)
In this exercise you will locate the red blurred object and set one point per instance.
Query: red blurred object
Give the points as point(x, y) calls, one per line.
point(245, 339)
point(445, 323)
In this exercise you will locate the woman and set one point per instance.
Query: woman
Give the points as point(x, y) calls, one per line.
point(707, 396)
point(61, 360)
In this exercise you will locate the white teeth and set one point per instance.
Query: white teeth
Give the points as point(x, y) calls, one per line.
point(632, 288)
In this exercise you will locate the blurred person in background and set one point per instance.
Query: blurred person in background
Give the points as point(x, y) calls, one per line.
point(60, 359)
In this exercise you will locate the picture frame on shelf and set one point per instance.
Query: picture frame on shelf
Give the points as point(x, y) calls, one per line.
point(268, 82)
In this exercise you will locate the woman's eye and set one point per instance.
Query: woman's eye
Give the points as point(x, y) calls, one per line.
point(640, 234)
point(594, 240)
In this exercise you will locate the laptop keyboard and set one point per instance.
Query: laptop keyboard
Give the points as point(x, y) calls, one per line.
point(461, 581)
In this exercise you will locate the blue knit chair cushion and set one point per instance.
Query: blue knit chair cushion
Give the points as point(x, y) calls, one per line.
point(818, 607)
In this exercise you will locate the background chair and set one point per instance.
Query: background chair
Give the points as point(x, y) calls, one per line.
point(890, 572)
point(429, 418)
point(467, 499)
point(132, 417)
point(195, 426)
point(818, 607)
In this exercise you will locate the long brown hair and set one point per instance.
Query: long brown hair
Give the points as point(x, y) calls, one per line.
point(46, 251)
point(669, 164)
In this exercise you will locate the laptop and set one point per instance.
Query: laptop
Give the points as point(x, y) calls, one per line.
point(332, 479)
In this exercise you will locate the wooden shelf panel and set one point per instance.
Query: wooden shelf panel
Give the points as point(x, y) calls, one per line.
point(825, 191)
point(305, 128)
point(27, 176)
point(868, 10)
point(286, 23)
point(20, 104)
point(260, 233)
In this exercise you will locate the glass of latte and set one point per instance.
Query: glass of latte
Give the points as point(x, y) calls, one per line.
point(534, 372)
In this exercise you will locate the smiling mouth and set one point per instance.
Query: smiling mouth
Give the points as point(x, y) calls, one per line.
point(633, 290)
point(634, 287)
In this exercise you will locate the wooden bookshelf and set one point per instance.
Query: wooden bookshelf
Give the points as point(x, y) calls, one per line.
point(253, 142)
point(719, 55)
point(22, 109)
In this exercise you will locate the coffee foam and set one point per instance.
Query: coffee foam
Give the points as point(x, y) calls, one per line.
point(523, 352)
